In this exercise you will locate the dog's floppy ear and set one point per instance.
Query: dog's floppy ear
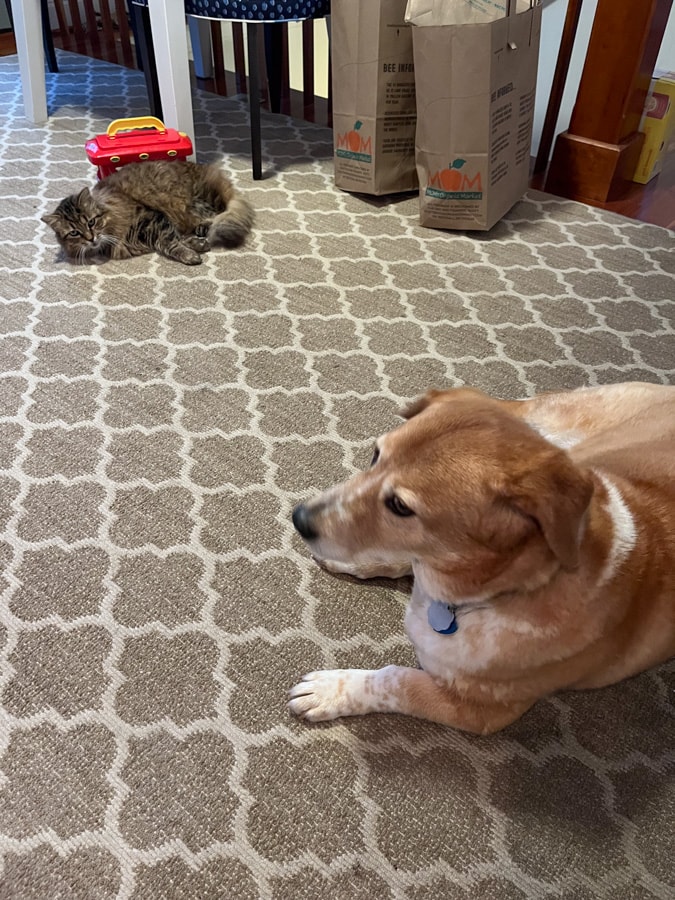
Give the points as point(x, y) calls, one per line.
point(416, 406)
point(556, 496)
point(439, 396)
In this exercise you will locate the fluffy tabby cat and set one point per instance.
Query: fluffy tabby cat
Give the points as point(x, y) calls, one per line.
point(180, 209)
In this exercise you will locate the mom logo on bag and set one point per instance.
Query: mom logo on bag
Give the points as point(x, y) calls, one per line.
point(453, 184)
point(353, 145)
point(373, 97)
point(477, 103)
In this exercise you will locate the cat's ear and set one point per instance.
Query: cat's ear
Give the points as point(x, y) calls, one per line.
point(83, 197)
point(51, 219)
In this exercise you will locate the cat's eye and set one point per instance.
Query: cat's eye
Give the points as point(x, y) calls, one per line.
point(397, 506)
point(73, 233)
point(92, 222)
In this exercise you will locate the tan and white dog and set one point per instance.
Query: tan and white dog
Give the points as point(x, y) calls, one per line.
point(541, 536)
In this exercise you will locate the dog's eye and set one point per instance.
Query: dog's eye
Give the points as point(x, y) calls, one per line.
point(397, 506)
point(376, 456)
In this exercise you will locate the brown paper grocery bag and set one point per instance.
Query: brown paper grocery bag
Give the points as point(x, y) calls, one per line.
point(373, 96)
point(476, 74)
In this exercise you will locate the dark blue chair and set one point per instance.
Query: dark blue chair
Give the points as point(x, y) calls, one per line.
point(159, 26)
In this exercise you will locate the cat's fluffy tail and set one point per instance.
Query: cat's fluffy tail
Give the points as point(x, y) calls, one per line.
point(232, 226)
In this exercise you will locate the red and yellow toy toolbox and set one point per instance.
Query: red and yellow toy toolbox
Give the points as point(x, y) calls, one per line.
point(136, 140)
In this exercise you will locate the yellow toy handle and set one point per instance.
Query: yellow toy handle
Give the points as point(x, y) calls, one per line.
point(138, 122)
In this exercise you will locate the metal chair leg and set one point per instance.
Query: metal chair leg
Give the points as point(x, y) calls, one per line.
point(274, 51)
point(48, 40)
point(252, 31)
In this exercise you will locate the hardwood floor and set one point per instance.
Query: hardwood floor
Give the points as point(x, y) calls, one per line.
point(7, 43)
point(653, 202)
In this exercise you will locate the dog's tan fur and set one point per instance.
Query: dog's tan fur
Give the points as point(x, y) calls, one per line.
point(549, 523)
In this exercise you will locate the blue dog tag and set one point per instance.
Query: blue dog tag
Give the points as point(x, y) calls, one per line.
point(441, 617)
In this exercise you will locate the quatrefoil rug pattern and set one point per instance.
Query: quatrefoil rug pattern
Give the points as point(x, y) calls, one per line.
point(157, 425)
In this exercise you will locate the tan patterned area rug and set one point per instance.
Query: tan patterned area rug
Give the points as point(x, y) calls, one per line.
point(157, 425)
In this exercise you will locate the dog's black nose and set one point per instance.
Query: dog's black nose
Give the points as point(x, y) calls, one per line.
point(302, 523)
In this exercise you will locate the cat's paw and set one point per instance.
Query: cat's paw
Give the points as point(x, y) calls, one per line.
point(188, 256)
point(200, 244)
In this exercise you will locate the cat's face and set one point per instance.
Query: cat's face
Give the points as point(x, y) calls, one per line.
point(80, 226)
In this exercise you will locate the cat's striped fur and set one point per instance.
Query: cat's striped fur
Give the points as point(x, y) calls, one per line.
point(179, 209)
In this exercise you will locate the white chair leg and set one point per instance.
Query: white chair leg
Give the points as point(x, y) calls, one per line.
point(28, 34)
point(200, 38)
point(169, 36)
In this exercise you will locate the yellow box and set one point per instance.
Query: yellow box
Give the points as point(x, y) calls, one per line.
point(658, 125)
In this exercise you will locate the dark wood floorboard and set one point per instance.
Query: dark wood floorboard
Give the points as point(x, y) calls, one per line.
point(653, 202)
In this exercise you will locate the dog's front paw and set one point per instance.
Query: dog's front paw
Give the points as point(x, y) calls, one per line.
point(325, 695)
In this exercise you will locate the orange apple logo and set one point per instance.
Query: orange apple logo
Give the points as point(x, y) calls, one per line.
point(354, 138)
point(451, 178)
point(453, 182)
point(353, 145)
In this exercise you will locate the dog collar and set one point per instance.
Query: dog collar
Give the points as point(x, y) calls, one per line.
point(442, 617)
